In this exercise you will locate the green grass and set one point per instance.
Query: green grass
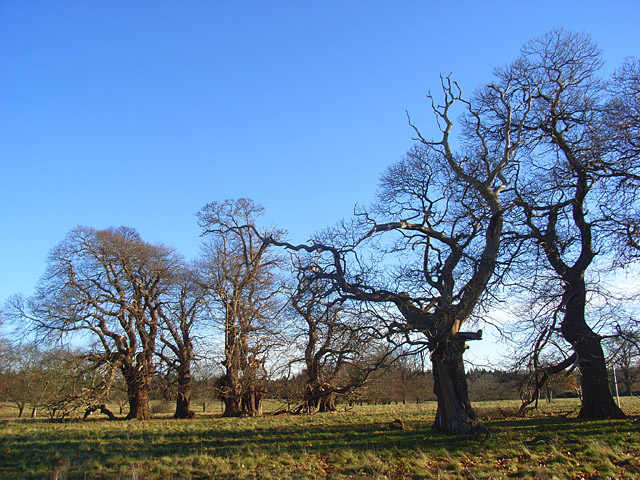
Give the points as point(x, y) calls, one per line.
point(351, 444)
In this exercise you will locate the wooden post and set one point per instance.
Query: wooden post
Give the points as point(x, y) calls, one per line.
point(615, 382)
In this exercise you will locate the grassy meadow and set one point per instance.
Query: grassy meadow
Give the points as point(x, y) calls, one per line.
point(356, 443)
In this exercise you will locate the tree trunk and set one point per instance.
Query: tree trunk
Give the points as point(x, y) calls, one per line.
point(139, 405)
point(319, 398)
point(454, 414)
point(229, 393)
point(597, 400)
point(183, 402)
point(183, 405)
point(232, 407)
point(138, 394)
point(252, 403)
point(327, 403)
point(239, 401)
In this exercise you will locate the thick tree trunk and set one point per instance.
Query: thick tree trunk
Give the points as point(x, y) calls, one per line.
point(597, 400)
point(232, 407)
point(229, 393)
point(327, 403)
point(319, 398)
point(239, 401)
point(454, 414)
point(183, 402)
point(252, 403)
point(183, 405)
point(139, 405)
point(138, 394)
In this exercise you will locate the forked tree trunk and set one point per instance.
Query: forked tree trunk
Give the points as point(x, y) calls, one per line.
point(183, 404)
point(597, 400)
point(249, 405)
point(454, 414)
point(236, 403)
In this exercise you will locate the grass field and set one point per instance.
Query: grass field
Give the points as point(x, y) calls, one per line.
point(347, 444)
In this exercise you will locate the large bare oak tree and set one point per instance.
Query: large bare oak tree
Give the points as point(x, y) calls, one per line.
point(437, 229)
point(240, 271)
point(576, 186)
point(108, 284)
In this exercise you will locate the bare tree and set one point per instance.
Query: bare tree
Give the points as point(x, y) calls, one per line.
point(624, 352)
point(334, 339)
point(240, 272)
point(108, 284)
point(620, 147)
point(24, 377)
point(437, 228)
point(56, 380)
point(180, 316)
point(564, 191)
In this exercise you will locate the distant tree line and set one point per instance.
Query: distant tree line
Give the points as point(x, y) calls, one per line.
point(61, 383)
point(526, 199)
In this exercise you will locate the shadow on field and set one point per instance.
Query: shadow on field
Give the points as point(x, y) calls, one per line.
point(82, 445)
point(227, 439)
point(565, 427)
point(355, 442)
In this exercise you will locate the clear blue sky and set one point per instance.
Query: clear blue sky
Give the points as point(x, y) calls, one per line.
point(138, 113)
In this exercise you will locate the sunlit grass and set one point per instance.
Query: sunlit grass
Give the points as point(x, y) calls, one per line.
point(348, 444)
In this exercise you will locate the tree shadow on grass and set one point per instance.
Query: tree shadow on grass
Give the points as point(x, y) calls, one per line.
point(141, 442)
point(82, 445)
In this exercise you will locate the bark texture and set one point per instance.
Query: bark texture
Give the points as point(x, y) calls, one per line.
point(454, 414)
point(183, 402)
point(597, 400)
point(137, 393)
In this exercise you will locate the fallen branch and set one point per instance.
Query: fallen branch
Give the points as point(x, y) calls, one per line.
point(103, 409)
